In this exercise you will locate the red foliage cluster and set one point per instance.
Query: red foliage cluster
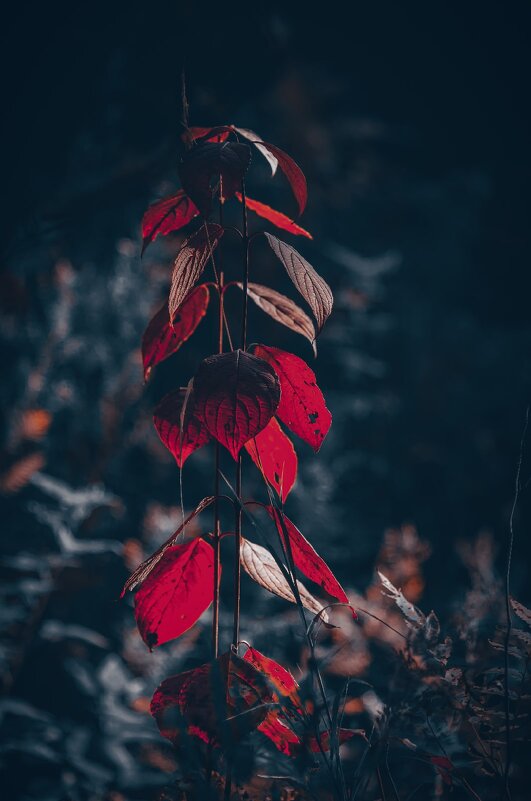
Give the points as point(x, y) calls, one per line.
point(239, 399)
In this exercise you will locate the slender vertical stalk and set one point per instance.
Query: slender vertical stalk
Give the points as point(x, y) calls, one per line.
point(217, 524)
point(238, 510)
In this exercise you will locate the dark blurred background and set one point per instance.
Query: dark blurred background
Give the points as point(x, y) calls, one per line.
point(411, 122)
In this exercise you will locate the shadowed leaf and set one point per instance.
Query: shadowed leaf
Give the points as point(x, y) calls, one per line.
point(209, 701)
point(182, 433)
point(166, 216)
point(236, 394)
point(202, 166)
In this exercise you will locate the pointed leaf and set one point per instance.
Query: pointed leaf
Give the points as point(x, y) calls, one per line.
point(190, 263)
point(142, 571)
point(236, 394)
point(262, 568)
point(276, 217)
point(302, 406)
point(166, 216)
point(282, 309)
point(306, 558)
point(176, 593)
point(251, 136)
point(312, 287)
point(182, 434)
point(274, 455)
point(204, 164)
point(293, 173)
point(207, 698)
point(161, 339)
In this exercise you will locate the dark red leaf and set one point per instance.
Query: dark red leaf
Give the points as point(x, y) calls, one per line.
point(170, 420)
point(205, 163)
point(236, 394)
point(293, 173)
point(218, 133)
point(306, 558)
point(343, 735)
point(274, 455)
point(312, 287)
point(142, 571)
point(282, 309)
point(166, 216)
point(276, 217)
point(207, 698)
point(190, 263)
point(302, 405)
point(161, 339)
point(176, 593)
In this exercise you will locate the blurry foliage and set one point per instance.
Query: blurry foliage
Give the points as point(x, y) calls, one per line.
point(87, 489)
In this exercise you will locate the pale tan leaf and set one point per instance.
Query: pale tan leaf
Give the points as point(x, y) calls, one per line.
point(260, 565)
point(309, 283)
point(283, 310)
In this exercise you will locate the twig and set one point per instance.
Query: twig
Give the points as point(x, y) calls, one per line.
point(517, 490)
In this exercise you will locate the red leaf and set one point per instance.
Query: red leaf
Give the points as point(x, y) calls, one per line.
point(312, 287)
point(274, 455)
point(236, 394)
point(276, 217)
point(343, 735)
point(280, 678)
point(218, 133)
point(306, 557)
point(293, 173)
point(161, 339)
point(166, 216)
point(206, 698)
point(142, 571)
point(208, 161)
point(281, 309)
point(168, 419)
point(302, 405)
point(176, 593)
point(190, 263)
point(280, 735)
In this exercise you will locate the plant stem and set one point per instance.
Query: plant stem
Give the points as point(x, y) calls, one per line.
point(238, 508)
point(517, 489)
